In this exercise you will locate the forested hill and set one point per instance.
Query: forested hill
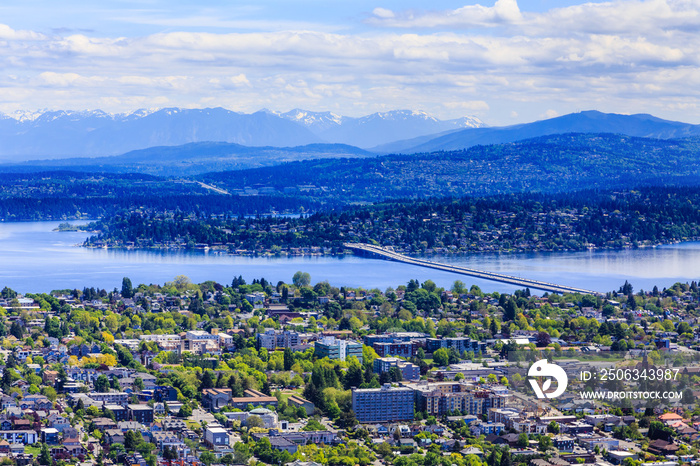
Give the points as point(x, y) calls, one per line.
point(68, 195)
point(551, 164)
point(557, 163)
point(525, 222)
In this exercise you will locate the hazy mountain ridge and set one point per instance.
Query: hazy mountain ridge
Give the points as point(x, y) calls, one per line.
point(554, 163)
point(94, 133)
point(192, 159)
point(548, 164)
point(639, 125)
point(72, 134)
point(60, 134)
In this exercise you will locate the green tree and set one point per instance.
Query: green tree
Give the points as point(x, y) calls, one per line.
point(523, 440)
point(288, 359)
point(207, 458)
point(384, 450)
point(185, 411)
point(506, 459)
point(16, 330)
point(169, 454)
point(207, 380)
point(49, 392)
point(347, 419)
point(127, 289)
point(138, 383)
point(44, 455)
point(441, 357)
point(301, 279)
point(354, 377)
point(458, 287)
point(241, 453)
point(510, 310)
point(132, 439)
point(255, 421)
point(102, 384)
point(8, 293)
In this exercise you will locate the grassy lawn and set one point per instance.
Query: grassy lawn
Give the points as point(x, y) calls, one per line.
point(287, 393)
point(33, 450)
point(193, 425)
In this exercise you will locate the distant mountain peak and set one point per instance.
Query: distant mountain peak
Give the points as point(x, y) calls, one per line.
point(589, 121)
point(404, 114)
point(24, 115)
point(316, 122)
point(68, 133)
point(141, 112)
point(469, 122)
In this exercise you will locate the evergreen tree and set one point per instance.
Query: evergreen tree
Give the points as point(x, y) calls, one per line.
point(492, 459)
point(354, 376)
point(196, 305)
point(506, 459)
point(132, 439)
point(288, 359)
point(127, 289)
point(7, 379)
point(101, 384)
point(17, 330)
point(510, 310)
point(207, 381)
point(44, 455)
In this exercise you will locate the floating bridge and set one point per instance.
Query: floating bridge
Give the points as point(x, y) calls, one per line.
point(387, 254)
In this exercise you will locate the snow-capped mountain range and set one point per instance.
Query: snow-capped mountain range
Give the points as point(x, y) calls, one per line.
point(26, 135)
point(373, 130)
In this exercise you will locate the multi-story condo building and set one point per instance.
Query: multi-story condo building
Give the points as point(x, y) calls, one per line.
point(395, 337)
point(332, 348)
point(408, 370)
point(461, 344)
point(160, 338)
point(386, 404)
point(443, 397)
point(112, 397)
point(404, 350)
point(272, 339)
point(165, 342)
point(194, 335)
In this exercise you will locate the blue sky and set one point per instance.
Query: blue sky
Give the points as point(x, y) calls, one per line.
point(504, 61)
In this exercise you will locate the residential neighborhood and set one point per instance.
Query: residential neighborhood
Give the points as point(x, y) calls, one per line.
point(208, 374)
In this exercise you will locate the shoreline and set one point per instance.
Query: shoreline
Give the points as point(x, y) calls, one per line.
point(219, 250)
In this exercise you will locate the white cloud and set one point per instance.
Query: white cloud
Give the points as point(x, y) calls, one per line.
point(240, 80)
point(65, 79)
point(503, 12)
point(648, 17)
point(383, 13)
point(472, 105)
point(614, 17)
point(7, 33)
point(627, 53)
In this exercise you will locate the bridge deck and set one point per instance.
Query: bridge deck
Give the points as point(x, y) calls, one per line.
point(390, 255)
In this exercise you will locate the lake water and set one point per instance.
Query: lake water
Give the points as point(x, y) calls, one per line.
point(33, 258)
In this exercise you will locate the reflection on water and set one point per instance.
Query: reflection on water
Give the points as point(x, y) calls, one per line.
point(35, 258)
